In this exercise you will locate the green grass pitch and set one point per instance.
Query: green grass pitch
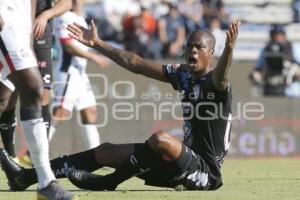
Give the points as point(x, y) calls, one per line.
point(243, 179)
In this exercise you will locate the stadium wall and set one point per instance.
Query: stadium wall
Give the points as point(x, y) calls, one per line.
point(131, 107)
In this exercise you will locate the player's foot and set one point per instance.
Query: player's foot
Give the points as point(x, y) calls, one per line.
point(13, 171)
point(55, 192)
point(25, 161)
point(88, 181)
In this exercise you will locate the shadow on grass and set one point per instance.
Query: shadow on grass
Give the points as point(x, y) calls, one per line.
point(124, 191)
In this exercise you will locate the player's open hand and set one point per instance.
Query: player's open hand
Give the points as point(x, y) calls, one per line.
point(1, 23)
point(232, 33)
point(40, 24)
point(83, 35)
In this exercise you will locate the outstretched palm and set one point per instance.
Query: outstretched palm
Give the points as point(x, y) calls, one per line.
point(232, 33)
point(83, 35)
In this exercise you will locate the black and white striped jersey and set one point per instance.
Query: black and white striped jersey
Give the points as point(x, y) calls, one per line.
point(206, 112)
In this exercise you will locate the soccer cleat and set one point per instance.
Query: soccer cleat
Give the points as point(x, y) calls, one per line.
point(55, 192)
point(88, 181)
point(14, 172)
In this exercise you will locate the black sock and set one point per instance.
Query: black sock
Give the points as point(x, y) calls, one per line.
point(60, 166)
point(29, 113)
point(47, 117)
point(82, 161)
point(143, 158)
point(7, 128)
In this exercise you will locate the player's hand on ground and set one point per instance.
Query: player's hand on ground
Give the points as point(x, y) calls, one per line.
point(232, 33)
point(83, 35)
point(1, 23)
point(40, 24)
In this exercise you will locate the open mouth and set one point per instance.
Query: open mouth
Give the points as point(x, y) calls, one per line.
point(192, 60)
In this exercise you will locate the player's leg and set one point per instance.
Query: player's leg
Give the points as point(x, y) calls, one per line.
point(170, 163)
point(22, 69)
point(86, 104)
point(106, 154)
point(35, 130)
point(8, 122)
point(63, 100)
point(161, 146)
point(89, 132)
point(59, 114)
point(29, 87)
point(6, 91)
point(42, 48)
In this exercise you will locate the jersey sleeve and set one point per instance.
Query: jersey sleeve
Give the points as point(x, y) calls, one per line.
point(171, 72)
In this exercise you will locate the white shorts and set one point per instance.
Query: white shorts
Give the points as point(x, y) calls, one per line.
point(15, 39)
point(72, 89)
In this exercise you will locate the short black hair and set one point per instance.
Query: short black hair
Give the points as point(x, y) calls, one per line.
point(207, 34)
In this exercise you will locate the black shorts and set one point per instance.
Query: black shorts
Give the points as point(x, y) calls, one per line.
point(195, 175)
point(43, 51)
point(44, 58)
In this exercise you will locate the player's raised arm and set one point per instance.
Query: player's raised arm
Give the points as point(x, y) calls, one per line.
point(125, 59)
point(1, 23)
point(60, 7)
point(221, 72)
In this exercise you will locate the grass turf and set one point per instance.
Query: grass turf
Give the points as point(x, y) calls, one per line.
point(243, 180)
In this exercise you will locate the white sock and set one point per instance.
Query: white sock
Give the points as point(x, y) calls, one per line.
point(90, 136)
point(36, 136)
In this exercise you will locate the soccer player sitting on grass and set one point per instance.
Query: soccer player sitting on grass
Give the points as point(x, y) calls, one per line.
point(162, 160)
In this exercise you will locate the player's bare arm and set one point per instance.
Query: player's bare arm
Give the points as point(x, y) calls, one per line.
point(125, 59)
point(75, 51)
point(60, 7)
point(1, 23)
point(221, 72)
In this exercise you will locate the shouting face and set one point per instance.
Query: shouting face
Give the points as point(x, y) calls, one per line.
point(199, 51)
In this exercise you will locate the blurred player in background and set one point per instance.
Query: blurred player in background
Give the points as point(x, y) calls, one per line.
point(162, 160)
point(71, 84)
point(276, 69)
point(18, 64)
point(42, 43)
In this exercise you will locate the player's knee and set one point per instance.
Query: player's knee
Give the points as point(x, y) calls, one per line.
point(89, 115)
point(33, 93)
point(60, 114)
point(160, 140)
